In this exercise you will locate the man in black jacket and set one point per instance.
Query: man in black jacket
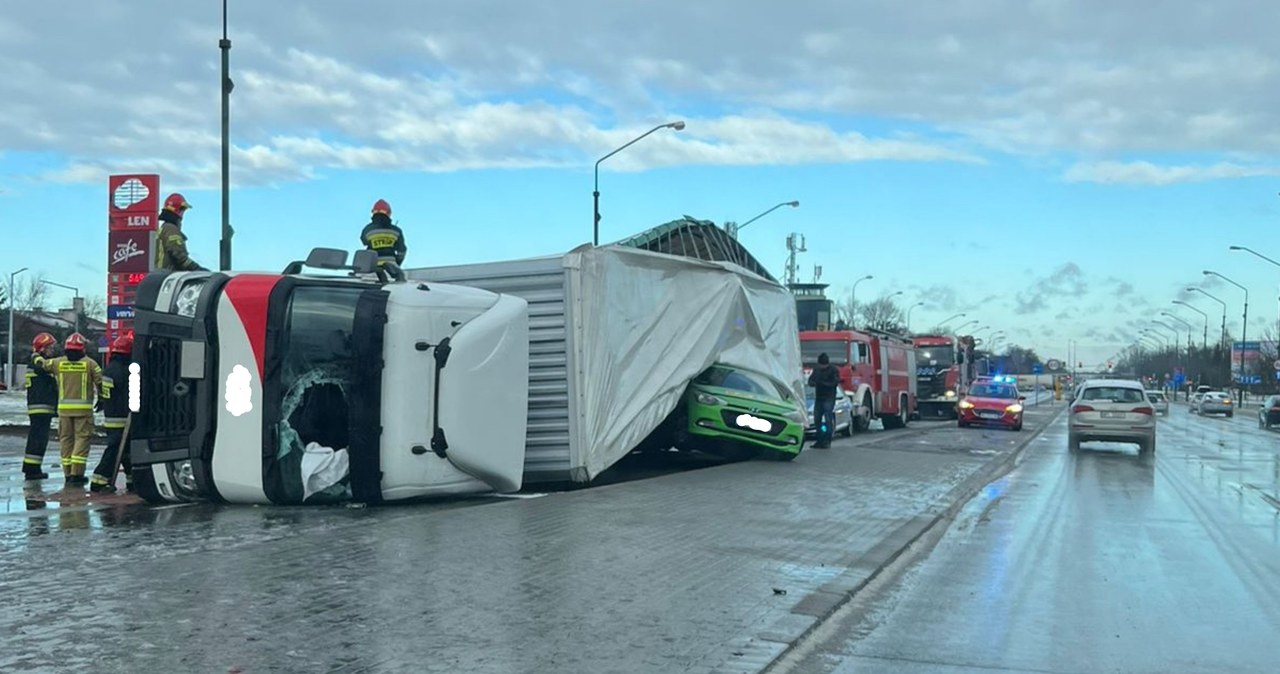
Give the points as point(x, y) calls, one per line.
point(824, 380)
point(42, 404)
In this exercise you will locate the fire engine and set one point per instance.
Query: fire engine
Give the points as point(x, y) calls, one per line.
point(944, 370)
point(877, 372)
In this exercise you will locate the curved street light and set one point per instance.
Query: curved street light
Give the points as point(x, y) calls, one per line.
point(1223, 338)
point(909, 310)
point(1205, 343)
point(1244, 327)
point(733, 231)
point(944, 323)
point(1254, 252)
point(677, 125)
point(853, 301)
point(1190, 327)
point(10, 382)
point(962, 326)
point(1174, 331)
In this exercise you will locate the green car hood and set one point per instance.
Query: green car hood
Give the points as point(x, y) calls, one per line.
point(749, 399)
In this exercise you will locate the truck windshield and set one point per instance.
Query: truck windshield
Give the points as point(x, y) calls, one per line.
point(835, 349)
point(317, 363)
point(939, 356)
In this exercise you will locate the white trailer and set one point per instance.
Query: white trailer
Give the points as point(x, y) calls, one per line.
point(616, 334)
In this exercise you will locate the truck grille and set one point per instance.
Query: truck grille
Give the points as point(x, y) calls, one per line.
point(164, 413)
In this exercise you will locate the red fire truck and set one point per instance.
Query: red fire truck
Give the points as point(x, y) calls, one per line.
point(943, 372)
point(877, 371)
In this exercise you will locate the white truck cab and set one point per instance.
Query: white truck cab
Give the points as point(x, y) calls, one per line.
point(297, 388)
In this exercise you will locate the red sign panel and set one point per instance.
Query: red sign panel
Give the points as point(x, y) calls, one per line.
point(133, 201)
point(128, 252)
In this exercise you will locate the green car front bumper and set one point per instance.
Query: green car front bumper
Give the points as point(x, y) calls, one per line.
point(746, 428)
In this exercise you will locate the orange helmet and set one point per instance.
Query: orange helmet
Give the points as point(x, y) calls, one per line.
point(75, 342)
point(381, 206)
point(123, 344)
point(176, 203)
point(43, 341)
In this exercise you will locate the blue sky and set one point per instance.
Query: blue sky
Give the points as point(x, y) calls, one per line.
point(1055, 170)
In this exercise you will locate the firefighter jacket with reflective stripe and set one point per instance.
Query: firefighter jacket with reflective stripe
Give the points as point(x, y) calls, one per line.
point(115, 392)
point(385, 239)
point(42, 388)
point(171, 248)
point(77, 382)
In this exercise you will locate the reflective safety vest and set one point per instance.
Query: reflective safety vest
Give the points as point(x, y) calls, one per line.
point(77, 382)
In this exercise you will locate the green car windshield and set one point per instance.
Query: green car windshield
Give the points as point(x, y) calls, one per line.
point(742, 380)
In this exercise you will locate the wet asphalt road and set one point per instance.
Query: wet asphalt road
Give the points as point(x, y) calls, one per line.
point(710, 571)
point(1097, 562)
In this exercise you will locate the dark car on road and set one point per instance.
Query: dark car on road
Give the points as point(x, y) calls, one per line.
point(1269, 412)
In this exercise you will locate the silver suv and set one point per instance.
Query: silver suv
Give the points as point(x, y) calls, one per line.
point(1112, 410)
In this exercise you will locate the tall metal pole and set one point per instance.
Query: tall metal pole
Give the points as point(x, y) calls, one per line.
point(853, 301)
point(224, 257)
point(8, 373)
point(1205, 343)
point(678, 125)
point(733, 232)
point(1244, 328)
point(1257, 254)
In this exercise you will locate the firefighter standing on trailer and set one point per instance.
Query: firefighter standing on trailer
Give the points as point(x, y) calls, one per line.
point(78, 377)
point(383, 237)
point(115, 409)
point(171, 243)
point(42, 403)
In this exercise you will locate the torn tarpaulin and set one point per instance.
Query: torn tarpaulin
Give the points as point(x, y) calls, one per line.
point(322, 468)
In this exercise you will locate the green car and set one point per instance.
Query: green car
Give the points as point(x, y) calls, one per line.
point(740, 414)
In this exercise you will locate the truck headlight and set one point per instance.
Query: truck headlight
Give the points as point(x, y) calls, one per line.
point(185, 303)
point(951, 394)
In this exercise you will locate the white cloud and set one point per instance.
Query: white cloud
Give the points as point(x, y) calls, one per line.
point(1147, 173)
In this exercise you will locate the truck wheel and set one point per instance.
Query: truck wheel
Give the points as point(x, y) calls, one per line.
point(861, 420)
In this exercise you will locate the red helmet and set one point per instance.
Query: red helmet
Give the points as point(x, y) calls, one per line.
point(43, 341)
point(123, 344)
point(176, 203)
point(381, 206)
point(75, 342)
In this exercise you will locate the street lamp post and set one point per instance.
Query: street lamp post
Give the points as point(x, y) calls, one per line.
point(1250, 250)
point(853, 300)
point(1190, 336)
point(1177, 341)
point(8, 373)
point(735, 228)
point(1223, 338)
point(909, 310)
point(943, 324)
point(964, 325)
point(1244, 327)
point(678, 125)
point(225, 245)
point(1205, 340)
point(76, 302)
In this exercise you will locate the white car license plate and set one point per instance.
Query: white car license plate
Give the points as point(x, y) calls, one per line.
point(1113, 415)
point(989, 415)
point(754, 423)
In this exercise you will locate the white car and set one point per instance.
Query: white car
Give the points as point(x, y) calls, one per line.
point(1159, 401)
point(1194, 403)
point(1112, 410)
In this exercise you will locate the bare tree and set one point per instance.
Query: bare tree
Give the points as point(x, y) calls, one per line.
point(95, 307)
point(31, 294)
point(883, 314)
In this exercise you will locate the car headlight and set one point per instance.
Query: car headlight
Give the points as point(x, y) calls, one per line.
point(708, 399)
point(188, 297)
point(1014, 408)
point(797, 415)
point(966, 405)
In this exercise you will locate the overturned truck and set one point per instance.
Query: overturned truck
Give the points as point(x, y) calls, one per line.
point(377, 385)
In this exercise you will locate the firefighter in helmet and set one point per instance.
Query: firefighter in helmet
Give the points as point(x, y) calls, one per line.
point(42, 403)
point(115, 409)
point(171, 243)
point(79, 378)
point(383, 237)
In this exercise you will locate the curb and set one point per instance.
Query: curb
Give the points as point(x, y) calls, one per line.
point(820, 605)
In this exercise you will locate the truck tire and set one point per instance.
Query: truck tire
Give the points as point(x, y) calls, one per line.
point(861, 420)
point(898, 420)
